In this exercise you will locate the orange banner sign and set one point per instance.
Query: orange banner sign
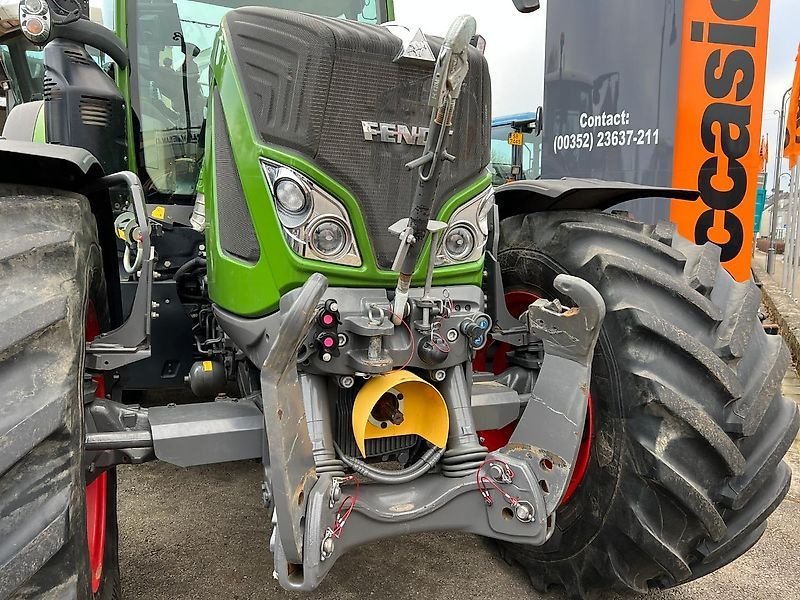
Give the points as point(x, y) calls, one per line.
point(718, 129)
point(791, 144)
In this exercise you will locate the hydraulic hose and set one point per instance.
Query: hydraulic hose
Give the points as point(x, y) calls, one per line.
point(189, 266)
point(419, 468)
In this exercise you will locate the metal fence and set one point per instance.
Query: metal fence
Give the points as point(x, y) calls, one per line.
point(791, 255)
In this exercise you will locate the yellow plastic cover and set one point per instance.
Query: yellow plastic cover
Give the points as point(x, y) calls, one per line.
point(424, 409)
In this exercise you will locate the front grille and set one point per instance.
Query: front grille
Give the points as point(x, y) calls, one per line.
point(310, 81)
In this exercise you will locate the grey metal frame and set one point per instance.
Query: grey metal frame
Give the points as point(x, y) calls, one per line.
point(185, 435)
point(130, 342)
point(528, 476)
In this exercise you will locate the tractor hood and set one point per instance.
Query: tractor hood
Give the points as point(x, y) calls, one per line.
point(335, 93)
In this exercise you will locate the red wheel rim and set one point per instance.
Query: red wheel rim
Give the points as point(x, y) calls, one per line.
point(517, 302)
point(96, 502)
point(97, 490)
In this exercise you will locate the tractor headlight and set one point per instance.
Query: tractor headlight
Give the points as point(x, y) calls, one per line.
point(467, 231)
point(35, 7)
point(315, 224)
point(459, 241)
point(328, 238)
point(293, 200)
point(35, 20)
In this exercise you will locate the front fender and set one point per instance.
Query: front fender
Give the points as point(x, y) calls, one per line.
point(542, 195)
point(47, 165)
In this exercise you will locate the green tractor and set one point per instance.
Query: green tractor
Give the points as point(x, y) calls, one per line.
point(286, 209)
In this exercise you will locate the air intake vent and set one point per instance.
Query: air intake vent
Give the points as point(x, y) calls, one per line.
point(95, 111)
point(50, 91)
point(77, 57)
point(237, 235)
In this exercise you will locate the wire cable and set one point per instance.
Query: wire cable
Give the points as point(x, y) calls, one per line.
point(341, 517)
point(481, 479)
point(411, 336)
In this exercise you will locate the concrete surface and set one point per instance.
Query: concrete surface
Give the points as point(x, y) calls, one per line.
point(201, 534)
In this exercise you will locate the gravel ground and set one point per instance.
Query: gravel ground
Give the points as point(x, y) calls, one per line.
point(201, 533)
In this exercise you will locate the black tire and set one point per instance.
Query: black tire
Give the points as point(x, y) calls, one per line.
point(50, 267)
point(690, 425)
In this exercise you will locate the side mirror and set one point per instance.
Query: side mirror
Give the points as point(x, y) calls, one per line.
point(526, 6)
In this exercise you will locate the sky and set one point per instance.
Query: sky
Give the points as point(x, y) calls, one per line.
point(514, 44)
point(515, 52)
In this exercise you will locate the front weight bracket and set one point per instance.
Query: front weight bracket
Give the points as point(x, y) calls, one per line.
point(549, 433)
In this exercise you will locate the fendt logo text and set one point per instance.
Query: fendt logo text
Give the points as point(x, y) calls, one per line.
point(394, 133)
point(725, 129)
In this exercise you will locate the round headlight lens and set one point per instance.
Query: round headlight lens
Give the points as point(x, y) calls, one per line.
point(459, 242)
point(34, 26)
point(329, 238)
point(291, 197)
point(35, 6)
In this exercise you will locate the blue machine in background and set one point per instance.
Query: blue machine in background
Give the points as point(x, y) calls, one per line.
point(516, 147)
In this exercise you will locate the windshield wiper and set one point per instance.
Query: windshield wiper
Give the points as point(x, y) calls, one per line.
point(204, 24)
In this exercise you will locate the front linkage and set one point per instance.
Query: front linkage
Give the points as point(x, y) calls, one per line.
point(510, 494)
point(326, 500)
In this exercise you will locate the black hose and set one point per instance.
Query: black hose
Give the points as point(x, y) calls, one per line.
point(419, 468)
point(188, 267)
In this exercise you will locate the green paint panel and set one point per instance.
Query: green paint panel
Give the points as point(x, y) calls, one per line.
point(39, 131)
point(255, 289)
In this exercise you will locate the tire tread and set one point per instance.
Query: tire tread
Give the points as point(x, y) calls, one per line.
point(49, 257)
point(705, 423)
